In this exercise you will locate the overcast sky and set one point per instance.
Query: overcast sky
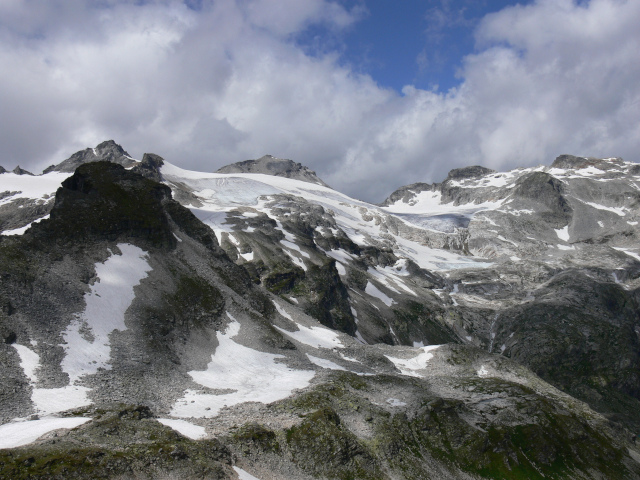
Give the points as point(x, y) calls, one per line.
point(370, 94)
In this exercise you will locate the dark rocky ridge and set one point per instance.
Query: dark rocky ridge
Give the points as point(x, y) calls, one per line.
point(102, 200)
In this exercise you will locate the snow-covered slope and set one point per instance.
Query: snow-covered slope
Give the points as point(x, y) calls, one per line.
point(288, 321)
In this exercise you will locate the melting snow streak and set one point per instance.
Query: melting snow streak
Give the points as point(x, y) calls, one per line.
point(88, 347)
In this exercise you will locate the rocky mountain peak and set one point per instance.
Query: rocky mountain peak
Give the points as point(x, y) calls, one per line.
point(2, 170)
point(108, 150)
point(279, 167)
point(406, 193)
point(21, 171)
point(573, 162)
point(102, 200)
point(474, 171)
point(149, 167)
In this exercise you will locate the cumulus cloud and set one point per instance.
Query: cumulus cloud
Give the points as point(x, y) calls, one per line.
point(226, 81)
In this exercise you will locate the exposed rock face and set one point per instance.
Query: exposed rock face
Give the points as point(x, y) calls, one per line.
point(103, 200)
point(406, 193)
point(2, 170)
point(543, 193)
point(149, 167)
point(108, 151)
point(279, 167)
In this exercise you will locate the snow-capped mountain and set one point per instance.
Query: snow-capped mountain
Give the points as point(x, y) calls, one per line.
point(287, 330)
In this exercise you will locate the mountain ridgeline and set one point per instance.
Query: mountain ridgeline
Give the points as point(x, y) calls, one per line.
point(164, 323)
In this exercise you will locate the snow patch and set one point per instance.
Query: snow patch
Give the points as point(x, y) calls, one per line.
point(29, 361)
point(87, 345)
point(253, 376)
point(247, 256)
point(394, 402)
point(16, 434)
point(563, 233)
point(242, 475)
point(21, 230)
point(293, 246)
point(281, 310)
point(316, 337)
point(617, 210)
point(188, 429)
point(628, 252)
point(410, 366)
point(321, 362)
point(374, 292)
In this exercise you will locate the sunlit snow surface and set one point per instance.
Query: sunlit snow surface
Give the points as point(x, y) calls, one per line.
point(87, 338)
point(251, 375)
point(38, 187)
point(16, 434)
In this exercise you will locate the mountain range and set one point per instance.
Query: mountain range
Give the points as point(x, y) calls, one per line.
point(255, 323)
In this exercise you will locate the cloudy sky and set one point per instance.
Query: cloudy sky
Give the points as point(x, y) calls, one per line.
point(372, 94)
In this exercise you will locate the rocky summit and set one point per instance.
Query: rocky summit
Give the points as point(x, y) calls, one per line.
point(254, 323)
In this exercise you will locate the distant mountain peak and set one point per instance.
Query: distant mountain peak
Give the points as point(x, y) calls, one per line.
point(278, 167)
point(21, 171)
point(108, 150)
point(573, 162)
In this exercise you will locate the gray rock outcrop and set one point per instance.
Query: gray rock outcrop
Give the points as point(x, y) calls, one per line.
point(108, 150)
point(279, 167)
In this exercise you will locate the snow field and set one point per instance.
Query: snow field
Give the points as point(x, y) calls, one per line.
point(253, 376)
point(39, 187)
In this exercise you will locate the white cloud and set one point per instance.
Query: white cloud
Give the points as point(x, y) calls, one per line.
point(227, 82)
